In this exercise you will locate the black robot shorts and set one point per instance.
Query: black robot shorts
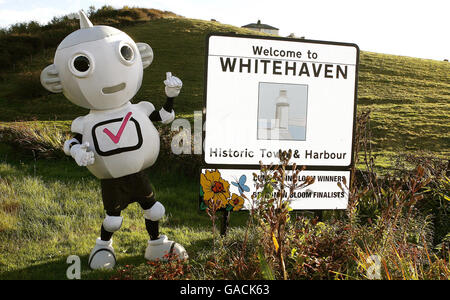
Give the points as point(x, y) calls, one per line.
point(118, 193)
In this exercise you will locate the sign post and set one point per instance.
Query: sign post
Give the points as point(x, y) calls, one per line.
point(263, 94)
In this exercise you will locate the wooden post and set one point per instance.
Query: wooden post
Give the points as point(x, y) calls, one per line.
point(225, 222)
point(319, 215)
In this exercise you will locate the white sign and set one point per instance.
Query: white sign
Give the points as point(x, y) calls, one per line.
point(266, 94)
point(227, 185)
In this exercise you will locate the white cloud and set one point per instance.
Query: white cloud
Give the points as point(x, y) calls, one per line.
point(41, 15)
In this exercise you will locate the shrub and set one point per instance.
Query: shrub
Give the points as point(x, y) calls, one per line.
point(172, 269)
point(234, 258)
point(35, 142)
point(384, 221)
point(319, 250)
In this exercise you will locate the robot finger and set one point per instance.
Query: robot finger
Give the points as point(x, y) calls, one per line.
point(91, 158)
point(173, 82)
point(83, 163)
point(177, 81)
point(169, 82)
point(85, 145)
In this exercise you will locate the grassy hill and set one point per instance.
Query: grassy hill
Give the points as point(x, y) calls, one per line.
point(409, 97)
point(410, 103)
point(50, 209)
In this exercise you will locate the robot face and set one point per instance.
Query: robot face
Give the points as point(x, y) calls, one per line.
point(101, 74)
point(97, 67)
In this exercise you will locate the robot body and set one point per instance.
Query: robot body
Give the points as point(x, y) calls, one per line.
point(101, 68)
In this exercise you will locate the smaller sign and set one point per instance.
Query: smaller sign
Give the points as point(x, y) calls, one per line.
point(227, 188)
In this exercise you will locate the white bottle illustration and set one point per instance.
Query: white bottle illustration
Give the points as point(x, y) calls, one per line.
point(282, 111)
point(281, 129)
point(278, 127)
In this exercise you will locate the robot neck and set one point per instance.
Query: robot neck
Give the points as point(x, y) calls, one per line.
point(97, 111)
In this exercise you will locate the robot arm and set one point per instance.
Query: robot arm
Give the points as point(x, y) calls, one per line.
point(166, 114)
point(80, 152)
point(173, 85)
point(173, 88)
point(76, 140)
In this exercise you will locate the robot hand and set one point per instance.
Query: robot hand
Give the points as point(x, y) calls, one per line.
point(82, 156)
point(173, 85)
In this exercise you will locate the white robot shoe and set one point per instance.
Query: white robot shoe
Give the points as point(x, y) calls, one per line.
point(102, 256)
point(161, 249)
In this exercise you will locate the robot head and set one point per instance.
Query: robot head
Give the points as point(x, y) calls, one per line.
point(97, 67)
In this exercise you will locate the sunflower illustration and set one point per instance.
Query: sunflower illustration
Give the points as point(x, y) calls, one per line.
point(215, 189)
point(236, 201)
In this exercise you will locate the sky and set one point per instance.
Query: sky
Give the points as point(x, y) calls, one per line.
point(401, 27)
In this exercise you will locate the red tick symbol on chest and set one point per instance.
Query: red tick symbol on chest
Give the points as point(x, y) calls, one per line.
point(116, 137)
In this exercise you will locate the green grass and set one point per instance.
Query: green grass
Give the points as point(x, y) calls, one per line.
point(50, 209)
point(410, 103)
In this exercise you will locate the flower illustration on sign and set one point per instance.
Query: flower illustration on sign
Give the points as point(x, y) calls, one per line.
point(215, 192)
point(215, 189)
point(237, 202)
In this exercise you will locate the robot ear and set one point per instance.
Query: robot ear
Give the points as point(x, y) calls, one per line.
point(50, 79)
point(146, 54)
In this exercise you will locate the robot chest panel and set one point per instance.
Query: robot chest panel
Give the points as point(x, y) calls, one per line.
point(124, 142)
point(118, 135)
point(128, 131)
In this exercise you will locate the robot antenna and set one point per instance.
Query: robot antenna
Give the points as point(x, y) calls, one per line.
point(84, 21)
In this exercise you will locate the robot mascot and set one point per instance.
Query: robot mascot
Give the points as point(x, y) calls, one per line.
point(101, 68)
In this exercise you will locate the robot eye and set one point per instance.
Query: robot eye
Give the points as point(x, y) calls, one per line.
point(81, 63)
point(127, 53)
